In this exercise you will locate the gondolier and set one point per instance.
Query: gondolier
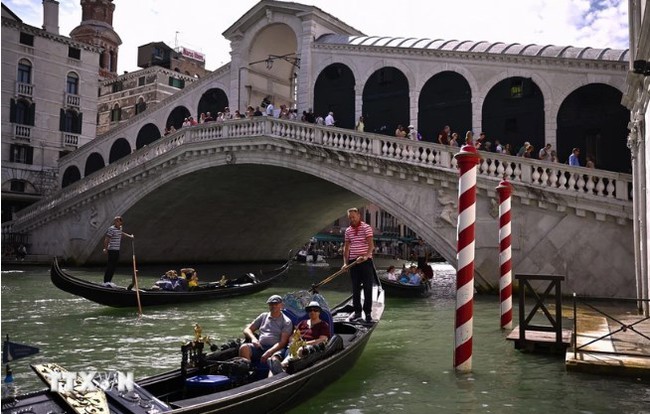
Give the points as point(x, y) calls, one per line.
point(359, 245)
point(112, 242)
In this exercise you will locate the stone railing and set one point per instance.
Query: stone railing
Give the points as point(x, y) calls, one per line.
point(561, 178)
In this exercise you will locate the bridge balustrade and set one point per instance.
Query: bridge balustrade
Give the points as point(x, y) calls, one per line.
point(562, 178)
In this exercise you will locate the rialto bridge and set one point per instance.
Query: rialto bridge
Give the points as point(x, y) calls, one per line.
point(252, 189)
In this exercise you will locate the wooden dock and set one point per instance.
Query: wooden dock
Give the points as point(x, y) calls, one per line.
point(541, 341)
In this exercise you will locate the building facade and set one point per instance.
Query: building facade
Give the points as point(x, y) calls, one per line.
point(637, 99)
point(49, 104)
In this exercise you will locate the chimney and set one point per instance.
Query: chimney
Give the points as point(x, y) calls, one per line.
point(51, 16)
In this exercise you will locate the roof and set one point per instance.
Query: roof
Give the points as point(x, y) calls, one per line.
point(529, 50)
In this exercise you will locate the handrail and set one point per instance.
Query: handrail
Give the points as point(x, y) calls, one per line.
point(624, 327)
point(554, 178)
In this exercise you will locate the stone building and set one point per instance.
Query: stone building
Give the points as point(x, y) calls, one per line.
point(123, 97)
point(49, 104)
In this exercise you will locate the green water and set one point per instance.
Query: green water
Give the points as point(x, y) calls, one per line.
point(406, 367)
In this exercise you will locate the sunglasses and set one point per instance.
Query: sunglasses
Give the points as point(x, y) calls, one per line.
point(313, 310)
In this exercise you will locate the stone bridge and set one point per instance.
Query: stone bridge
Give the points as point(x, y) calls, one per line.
point(250, 190)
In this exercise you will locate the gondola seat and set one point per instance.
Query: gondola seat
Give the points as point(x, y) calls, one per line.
point(205, 384)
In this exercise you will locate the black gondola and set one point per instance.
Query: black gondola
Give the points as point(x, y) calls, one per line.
point(218, 382)
point(395, 288)
point(119, 297)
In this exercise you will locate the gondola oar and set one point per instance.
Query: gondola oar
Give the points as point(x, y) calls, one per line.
point(135, 278)
point(315, 286)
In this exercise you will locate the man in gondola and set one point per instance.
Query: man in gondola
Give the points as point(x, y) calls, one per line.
point(274, 330)
point(358, 248)
point(112, 242)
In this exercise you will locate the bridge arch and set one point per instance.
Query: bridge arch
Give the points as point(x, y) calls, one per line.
point(445, 99)
point(120, 149)
point(176, 117)
point(147, 134)
point(593, 119)
point(213, 100)
point(334, 91)
point(70, 176)
point(94, 162)
point(386, 100)
point(513, 113)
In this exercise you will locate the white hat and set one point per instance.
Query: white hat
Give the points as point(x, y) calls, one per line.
point(313, 304)
point(411, 127)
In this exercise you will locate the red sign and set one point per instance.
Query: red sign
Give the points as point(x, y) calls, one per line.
point(188, 53)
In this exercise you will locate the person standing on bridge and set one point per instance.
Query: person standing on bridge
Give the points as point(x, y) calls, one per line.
point(112, 242)
point(359, 246)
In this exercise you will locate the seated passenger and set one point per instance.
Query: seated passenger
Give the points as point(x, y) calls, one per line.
point(414, 276)
point(191, 276)
point(309, 332)
point(274, 330)
point(391, 273)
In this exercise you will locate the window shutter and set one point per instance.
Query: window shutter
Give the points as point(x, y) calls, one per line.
point(62, 120)
point(29, 155)
point(79, 123)
point(12, 110)
point(31, 114)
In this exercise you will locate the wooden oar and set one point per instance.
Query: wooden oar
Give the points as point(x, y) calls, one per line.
point(344, 269)
point(135, 278)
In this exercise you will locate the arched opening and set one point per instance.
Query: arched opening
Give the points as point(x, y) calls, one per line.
point(334, 91)
point(120, 149)
point(141, 106)
point(272, 69)
point(94, 162)
point(513, 113)
point(445, 99)
point(176, 118)
point(70, 176)
point(147, 134)
point(592, 118)
point(213, 101)
point(386, 101)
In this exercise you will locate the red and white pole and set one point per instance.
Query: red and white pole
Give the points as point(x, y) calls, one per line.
point(468, 160)
point(505, 254)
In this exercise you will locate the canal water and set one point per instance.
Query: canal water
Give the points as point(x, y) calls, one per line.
point(406, 367)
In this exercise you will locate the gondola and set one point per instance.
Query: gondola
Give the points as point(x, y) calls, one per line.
point(120, 297)
point(394, 288)
point(219, 381)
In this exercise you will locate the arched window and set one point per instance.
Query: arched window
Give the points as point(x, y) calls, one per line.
point(72, 84)
point(71, 121)
point(22, 111)
point(140, 106)
point(116, 113)
point(24, 71)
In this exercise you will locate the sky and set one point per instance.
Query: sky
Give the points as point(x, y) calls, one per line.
point(198, 24)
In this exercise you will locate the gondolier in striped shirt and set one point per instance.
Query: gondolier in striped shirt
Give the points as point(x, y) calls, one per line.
point(112, 242)
point(359, 245)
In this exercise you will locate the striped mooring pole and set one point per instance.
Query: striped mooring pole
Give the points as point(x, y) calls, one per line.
point(468, 160)
point(504, 189)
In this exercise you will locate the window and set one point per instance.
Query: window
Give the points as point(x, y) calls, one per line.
point(516, 88)
point(22, 111)
point(117, 87)
point(24, 71)
point(141, 81)
point(140, 106)
point(21, 153)
point(176, 83)
point(74, 53)
point(116, 114)
point(70, 121)
point(72, 84)
point(26, 39)
point(17, 186)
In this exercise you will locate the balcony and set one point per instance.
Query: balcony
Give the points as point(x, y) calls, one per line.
point(23, 133)
point(72, 100)
point(24, 89)
point(69, 140)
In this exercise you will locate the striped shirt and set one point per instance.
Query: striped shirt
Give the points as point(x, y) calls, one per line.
point(114, 235)
point(357, 237)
